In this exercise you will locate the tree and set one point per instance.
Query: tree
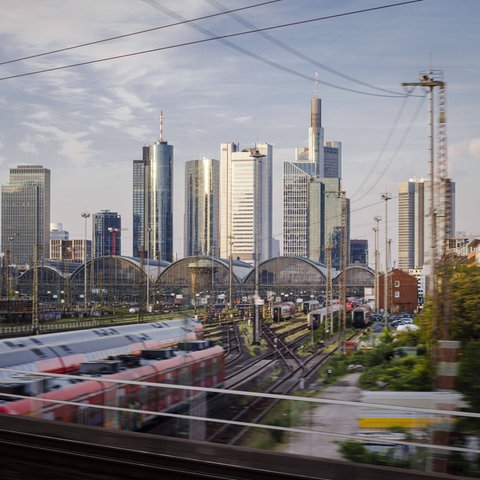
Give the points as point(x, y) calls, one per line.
point(464, 291)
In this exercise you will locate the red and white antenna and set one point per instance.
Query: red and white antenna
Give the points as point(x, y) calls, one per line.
point(161, 125)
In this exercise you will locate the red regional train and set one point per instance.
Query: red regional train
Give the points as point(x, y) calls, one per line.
point(64, 352)
point(80, 402)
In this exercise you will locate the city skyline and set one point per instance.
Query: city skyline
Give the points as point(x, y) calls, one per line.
point(87, 124)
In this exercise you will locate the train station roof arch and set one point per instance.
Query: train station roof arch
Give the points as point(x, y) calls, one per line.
point(285, 272)
point(179, 273)
point(356, 276)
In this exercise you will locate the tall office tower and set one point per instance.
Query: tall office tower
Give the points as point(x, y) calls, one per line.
point(246, 201)
point(327, 207)
point(107, 233)
point(138, 207)
point(153, 202)
point(414, 223)
point(26, 215)
point(310, 184)
point(202, 207)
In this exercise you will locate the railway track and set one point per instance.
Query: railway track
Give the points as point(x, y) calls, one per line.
point(280, 370)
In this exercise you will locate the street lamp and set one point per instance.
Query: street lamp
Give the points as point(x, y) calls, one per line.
point(257, 155)
point(386, 197)
point(85, 216)
point(377, 293)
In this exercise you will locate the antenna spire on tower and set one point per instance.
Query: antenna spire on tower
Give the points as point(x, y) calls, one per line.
point(161, 125)
point(316, 84)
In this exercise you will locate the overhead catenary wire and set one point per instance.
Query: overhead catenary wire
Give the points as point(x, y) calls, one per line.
point(297, 53)
point(387, 165)
point(232, 35)
point(139, 32)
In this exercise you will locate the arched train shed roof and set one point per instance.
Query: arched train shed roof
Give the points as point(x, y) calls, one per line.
point(283, 272)
point(357, 276)
point(179, 273)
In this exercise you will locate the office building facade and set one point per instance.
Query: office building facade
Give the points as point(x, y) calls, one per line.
point(202, 207)
point(153, 202)
point(107, 233)
point(26, 215)
point(70, 250)
point(312, 196)
point(415, 223)
point(246, 202)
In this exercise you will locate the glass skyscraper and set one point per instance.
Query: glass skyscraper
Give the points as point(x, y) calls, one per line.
point(202, 208)
point(26, 215)
point(312, 197)
point(153, 203)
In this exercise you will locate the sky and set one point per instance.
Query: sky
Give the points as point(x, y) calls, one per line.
point(87, 123)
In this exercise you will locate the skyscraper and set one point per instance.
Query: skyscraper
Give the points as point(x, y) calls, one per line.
point(414, 223)
point(246, 201)
point(153, 203)
point(312, 197)
point(26, 214)
point(202, 208)
point(107, 233)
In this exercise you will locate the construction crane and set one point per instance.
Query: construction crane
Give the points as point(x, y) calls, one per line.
point(113, 231)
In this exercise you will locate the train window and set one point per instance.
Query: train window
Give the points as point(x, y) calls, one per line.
point(66, 348)
point(38, 352)
point(35, 340)
point(10, 344)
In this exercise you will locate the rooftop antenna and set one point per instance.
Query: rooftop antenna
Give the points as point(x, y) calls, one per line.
point(316, 84)
point(161, 125)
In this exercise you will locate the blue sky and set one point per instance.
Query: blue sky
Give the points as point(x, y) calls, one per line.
point(89, 122)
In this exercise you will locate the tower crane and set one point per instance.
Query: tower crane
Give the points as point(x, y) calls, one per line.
point(113, 231)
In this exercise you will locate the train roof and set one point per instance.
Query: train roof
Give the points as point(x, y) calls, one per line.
point(93, 333)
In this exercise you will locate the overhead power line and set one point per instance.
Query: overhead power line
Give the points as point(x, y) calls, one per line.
point(139, 32)
point(295, 52)
point(231, 35)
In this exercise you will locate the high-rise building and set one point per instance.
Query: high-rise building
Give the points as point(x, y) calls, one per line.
point(26, 215)
point(153, 202)
point(70, 250)
point(202, 207)
point(414, 223)
point(359, 251)
point(57, 232)
point(138, 207)
point(107, 234)
point(312, 196)
point(246, 202)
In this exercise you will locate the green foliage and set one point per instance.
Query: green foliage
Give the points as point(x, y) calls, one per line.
point(469, 366)
point(357, 452)
point(404, 374)
point(464, 294)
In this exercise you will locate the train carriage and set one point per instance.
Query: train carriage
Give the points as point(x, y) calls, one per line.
point(361, 316)
point(65, 351)
point(76, 403)
point(318, 317)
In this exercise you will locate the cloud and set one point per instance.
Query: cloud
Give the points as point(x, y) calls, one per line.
point(70, 144)
point(474, 148)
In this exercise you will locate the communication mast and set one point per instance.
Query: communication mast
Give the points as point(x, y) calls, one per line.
point(440, 191)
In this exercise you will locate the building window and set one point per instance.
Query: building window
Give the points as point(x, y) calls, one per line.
point(397, 283)
point(397, 294)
